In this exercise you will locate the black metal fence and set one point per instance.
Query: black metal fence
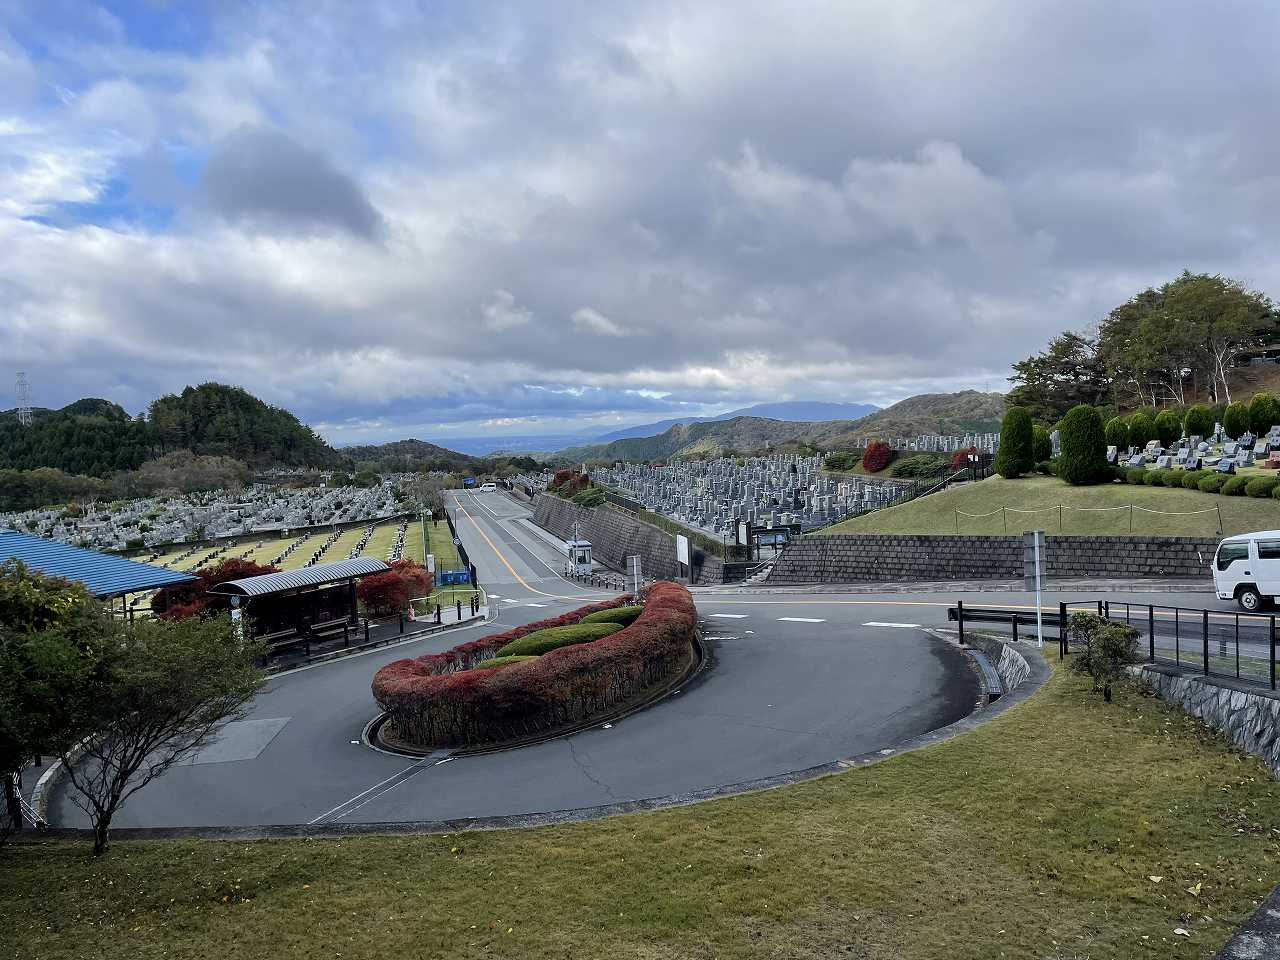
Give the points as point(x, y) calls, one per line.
point(1217, 643)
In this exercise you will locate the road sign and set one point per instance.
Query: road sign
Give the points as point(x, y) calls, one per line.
point(457, 542)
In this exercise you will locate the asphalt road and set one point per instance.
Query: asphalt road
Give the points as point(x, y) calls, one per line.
point(794, 680)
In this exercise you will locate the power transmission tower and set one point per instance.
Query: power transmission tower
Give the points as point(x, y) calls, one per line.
point(23, 389)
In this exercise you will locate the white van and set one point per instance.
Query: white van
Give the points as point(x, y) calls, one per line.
point(488, 488)
point(1246, 568)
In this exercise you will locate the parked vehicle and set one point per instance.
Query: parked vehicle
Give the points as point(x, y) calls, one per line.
point(1246, 568)
point(488, 488)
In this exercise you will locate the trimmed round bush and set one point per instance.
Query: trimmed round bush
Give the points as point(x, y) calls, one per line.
point(623, 615)
point(1191, 478)
point(1162, 478)
point(501, 662)
point(538, 643)
point(1168, 428)
point(1234, 487)
point(1041, 445)
point(1142, 430)
point(1261, 486)
point(434, 700)
point(1235, 420)
point(1084, 447)
point(1117, 431)
point(1264, 413)
point(876, 456)
point(1198, 421)
point(1212, 483)
point(1045, 467)
point(1275, 494)
point(1016, 455)
point(1136, 475)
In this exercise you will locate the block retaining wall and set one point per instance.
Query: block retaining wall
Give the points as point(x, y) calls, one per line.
point(853, 558)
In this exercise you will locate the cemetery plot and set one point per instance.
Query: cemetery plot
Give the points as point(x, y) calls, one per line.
point(714, 495)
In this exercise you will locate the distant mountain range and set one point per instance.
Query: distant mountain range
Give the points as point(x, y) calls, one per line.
point(936, 413)
point(789, 410)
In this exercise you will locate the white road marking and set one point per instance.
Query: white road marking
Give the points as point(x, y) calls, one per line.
point(508, 600)
point(730, 616)
point(879, 623)
point(535, 604)
point(800, 620)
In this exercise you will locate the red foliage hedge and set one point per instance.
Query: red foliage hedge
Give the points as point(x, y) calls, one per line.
point(385, 593)
point(193, 599)
point(877, 456)
point(437, 700)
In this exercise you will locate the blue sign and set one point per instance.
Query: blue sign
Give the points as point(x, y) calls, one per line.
point(451, 578)
point(469, 482)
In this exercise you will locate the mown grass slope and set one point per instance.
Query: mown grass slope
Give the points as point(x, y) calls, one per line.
point(997, 505)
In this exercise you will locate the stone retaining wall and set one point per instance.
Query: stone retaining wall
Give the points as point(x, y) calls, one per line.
point(615, 536)
point(1248, 715)
point(1009, 662)
point(853, 558)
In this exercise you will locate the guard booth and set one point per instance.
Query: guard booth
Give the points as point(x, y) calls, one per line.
point(579, 557)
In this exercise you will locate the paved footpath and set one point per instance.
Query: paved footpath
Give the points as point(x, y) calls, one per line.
point(794, 680)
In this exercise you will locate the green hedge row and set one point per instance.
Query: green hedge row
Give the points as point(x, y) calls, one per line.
point(502, 661)
point(623, 615)
point(536, 644)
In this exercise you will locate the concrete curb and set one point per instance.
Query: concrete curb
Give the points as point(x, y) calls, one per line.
point(1038, 676)
point(961, 586)
point(1259, 936)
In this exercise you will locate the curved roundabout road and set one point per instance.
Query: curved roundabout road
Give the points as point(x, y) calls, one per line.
point(792, 681)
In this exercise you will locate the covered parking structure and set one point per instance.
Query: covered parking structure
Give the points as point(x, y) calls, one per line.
point(105, 575)
point(300, 606)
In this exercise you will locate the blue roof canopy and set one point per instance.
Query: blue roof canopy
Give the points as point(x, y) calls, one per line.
point(104, 574)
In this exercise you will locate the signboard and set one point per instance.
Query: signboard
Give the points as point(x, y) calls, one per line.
point(469, 482)
point(682, 549)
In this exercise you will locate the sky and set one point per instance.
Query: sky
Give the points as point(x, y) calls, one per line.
point(468, 218)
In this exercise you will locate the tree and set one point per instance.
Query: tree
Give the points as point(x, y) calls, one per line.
point(1117, 433)
point(1068, 372)
point(48, 628)
point(1104, 649)
point(1225, 317)
point(1142, 430)
point(427, 491)
point(1168, 428)
point(876, 456)
point(1264, 413)
point(1198, 421)
point(160, 691)
point(1235, 420)
point(384, 594)
point(1041, 444)
point(194, 599)
point(1016, 455)
point(1084, 447)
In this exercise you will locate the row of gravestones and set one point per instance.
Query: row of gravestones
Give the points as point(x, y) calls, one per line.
point(1196, 453)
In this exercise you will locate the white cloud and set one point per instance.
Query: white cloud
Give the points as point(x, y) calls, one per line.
point(501, 312)
point(590, 320)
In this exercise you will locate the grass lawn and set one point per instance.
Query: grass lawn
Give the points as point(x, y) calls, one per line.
point(1035, 836)
point(1032, 503)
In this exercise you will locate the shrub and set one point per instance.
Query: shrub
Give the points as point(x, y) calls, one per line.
point(500, 662)
point(1159, 478)
point(1117, 431)
point(923, 465)
point(1212, 483)
point(590, 497)
point(429, 702)
point(1016, 455)
point(1142, 430)
point(1275, 494)
point(1045, 467)
point(1264, 413)
point(1104, 649)
point(623, 615)
point(1234, 487)
point(960, 459)
point(841, 461)
point(1084, 447)
point(1168, 428)
point(1261, 486)
point(1235, 420)
point(1198, 421)
point(541, 641)
point(1136, 475)
point(877, 456)
point(385, 593)
point(1191, 479)
point(1041, 444)
point(194, 599)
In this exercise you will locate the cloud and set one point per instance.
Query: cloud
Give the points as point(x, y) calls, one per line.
point(589, 320)
point(851, 201)
point(263, 177)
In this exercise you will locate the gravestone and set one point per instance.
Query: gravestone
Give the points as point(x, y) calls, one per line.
point(1202, 447)
point(1136, 460)
point(1054, 443)
point(1244, 458)
point(1226, 465)
point(1229, 449)
point(1181, 458)
point(1111, 454)
point(1193, 462)
point(1164, 462)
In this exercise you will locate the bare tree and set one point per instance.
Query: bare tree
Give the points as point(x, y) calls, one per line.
point(163, 690)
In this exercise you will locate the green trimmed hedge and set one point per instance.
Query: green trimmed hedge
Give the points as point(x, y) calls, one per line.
point(623, 615)
point(1261, 486)
point(1191, 478)
point(502, 661)
point(1136, 476)
point(539, 642)
point(1234, 487)
point(1213, 483)
point(1084, 447)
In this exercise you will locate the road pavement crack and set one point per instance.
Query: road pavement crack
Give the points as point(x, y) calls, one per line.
point(573, 753)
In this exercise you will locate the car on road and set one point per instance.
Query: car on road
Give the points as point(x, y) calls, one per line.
point(488, 488)
point(1246, 569)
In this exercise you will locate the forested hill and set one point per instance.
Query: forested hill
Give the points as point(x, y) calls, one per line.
point(96, 437)
point(410, 455)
